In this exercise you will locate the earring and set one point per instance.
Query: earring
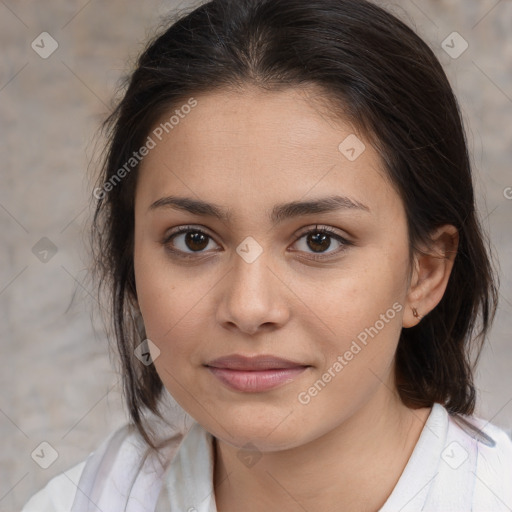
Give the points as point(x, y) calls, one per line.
point(415, 312)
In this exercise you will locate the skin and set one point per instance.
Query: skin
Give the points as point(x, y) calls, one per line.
point(247, 151)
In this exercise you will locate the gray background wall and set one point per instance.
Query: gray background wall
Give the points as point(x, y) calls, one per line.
point(57, 384)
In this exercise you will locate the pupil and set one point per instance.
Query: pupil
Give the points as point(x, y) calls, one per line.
point(196, 241)
point(320, 238)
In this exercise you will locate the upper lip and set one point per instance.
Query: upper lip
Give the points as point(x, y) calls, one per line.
point(259, 362)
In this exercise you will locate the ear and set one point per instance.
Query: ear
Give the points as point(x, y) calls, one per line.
point(432, 268)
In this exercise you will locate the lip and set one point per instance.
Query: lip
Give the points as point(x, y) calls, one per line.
point(253, 363)
point(254, 374)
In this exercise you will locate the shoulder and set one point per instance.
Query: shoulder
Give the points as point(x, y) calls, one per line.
point(112, 465)
point(459, 463)
point(494, 444)
point(490, 448)
point(58, 494)
point(495, 451)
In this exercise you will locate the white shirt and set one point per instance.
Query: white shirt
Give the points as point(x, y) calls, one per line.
point(456, 466)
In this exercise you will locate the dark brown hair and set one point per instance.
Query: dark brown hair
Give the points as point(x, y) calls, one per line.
point(377, 73)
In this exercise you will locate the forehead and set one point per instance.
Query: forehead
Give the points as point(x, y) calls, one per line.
point(256, 147)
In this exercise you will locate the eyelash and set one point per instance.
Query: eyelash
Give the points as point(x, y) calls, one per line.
point(191, 229)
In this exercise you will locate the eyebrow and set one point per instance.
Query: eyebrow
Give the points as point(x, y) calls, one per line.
point(279, 213)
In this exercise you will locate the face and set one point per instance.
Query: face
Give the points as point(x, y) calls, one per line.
point(274, 323)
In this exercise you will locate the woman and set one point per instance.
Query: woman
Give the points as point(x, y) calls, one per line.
point(286, 224)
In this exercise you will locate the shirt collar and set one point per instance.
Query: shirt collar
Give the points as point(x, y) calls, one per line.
point(412, 489)
point(188, 483)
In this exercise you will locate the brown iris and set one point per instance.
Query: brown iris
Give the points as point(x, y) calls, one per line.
point(196, 241)
point(319, 239)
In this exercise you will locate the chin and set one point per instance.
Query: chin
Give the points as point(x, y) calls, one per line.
point(268, 430)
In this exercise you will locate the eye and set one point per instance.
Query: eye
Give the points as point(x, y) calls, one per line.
point(187, 240)
point(319, 240)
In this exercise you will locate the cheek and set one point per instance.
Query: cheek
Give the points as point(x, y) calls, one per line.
point(172, 303)
point(167, 313)
point(358, 297)
point(157, 294)
point(363, 308)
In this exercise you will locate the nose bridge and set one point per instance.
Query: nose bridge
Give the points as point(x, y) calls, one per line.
point(252, 296)
point(250, 281)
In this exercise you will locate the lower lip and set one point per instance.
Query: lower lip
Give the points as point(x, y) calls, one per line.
point(257, 380)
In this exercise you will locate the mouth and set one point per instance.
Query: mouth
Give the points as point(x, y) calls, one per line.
point(255, 374)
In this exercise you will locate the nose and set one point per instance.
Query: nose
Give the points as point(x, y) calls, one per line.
point(254, 297)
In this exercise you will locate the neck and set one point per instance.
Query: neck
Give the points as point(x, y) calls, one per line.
point(353, 467)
